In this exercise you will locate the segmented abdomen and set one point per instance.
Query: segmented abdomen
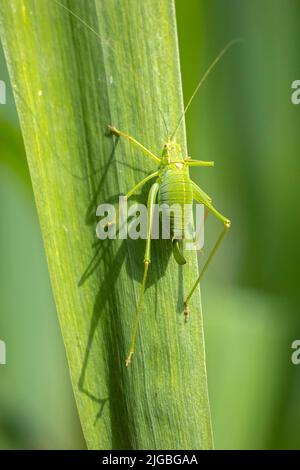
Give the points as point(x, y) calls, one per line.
point(176, 192)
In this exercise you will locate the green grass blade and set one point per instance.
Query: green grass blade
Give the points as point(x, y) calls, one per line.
point(69, 84)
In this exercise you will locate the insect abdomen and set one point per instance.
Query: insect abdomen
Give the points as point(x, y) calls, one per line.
point(177, 193)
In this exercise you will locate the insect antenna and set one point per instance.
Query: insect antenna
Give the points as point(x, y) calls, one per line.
point(210, 68)
point(78, 18)
point(165, 123)
point(83, 22)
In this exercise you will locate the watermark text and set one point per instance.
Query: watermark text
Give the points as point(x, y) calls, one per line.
point(160, 221)
point(295, 97)
point(2, 352)
point(295, 357)
point(2, 92)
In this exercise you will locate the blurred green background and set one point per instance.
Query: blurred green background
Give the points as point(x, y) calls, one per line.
point(243, 119)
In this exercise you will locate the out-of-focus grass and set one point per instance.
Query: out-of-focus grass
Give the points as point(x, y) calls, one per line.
point(244, 120)
point(248, 349)
point(36, 402)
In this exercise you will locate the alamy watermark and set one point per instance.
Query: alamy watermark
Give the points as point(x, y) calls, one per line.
point(2, 92)
point(295, 357)
point(2, 352)
point(295, 97)
point(162, 221)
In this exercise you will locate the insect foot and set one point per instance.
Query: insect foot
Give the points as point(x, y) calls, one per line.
point(128, 360)
point(186, 312)
point(112, 129)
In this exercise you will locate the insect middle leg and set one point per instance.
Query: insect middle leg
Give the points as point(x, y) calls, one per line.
point(198, 196)
point(151, 201)
point(138, 186)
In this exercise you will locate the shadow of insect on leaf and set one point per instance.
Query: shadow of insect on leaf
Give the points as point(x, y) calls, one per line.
point(60, 158)
point(105, 296)
point(110, 256)
point(134, 249)
point(91, 211)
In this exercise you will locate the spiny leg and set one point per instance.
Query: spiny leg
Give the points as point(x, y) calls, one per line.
point(202, 272)
point(206, 213)
point(135, 143)
point(197, 192)
point(151, 201)
point(205, 197)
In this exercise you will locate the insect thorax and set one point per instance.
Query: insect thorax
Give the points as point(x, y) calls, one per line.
point(171, 153)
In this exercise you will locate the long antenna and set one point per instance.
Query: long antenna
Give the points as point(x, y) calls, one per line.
point(165, 123)
point(210, 68)
point(78, 18)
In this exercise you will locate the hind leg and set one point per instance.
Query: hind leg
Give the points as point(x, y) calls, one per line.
point(197, 193)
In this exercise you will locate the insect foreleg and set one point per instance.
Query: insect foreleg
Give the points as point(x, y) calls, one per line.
point(135, 143)
point(197, 193)
point(151, 202)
